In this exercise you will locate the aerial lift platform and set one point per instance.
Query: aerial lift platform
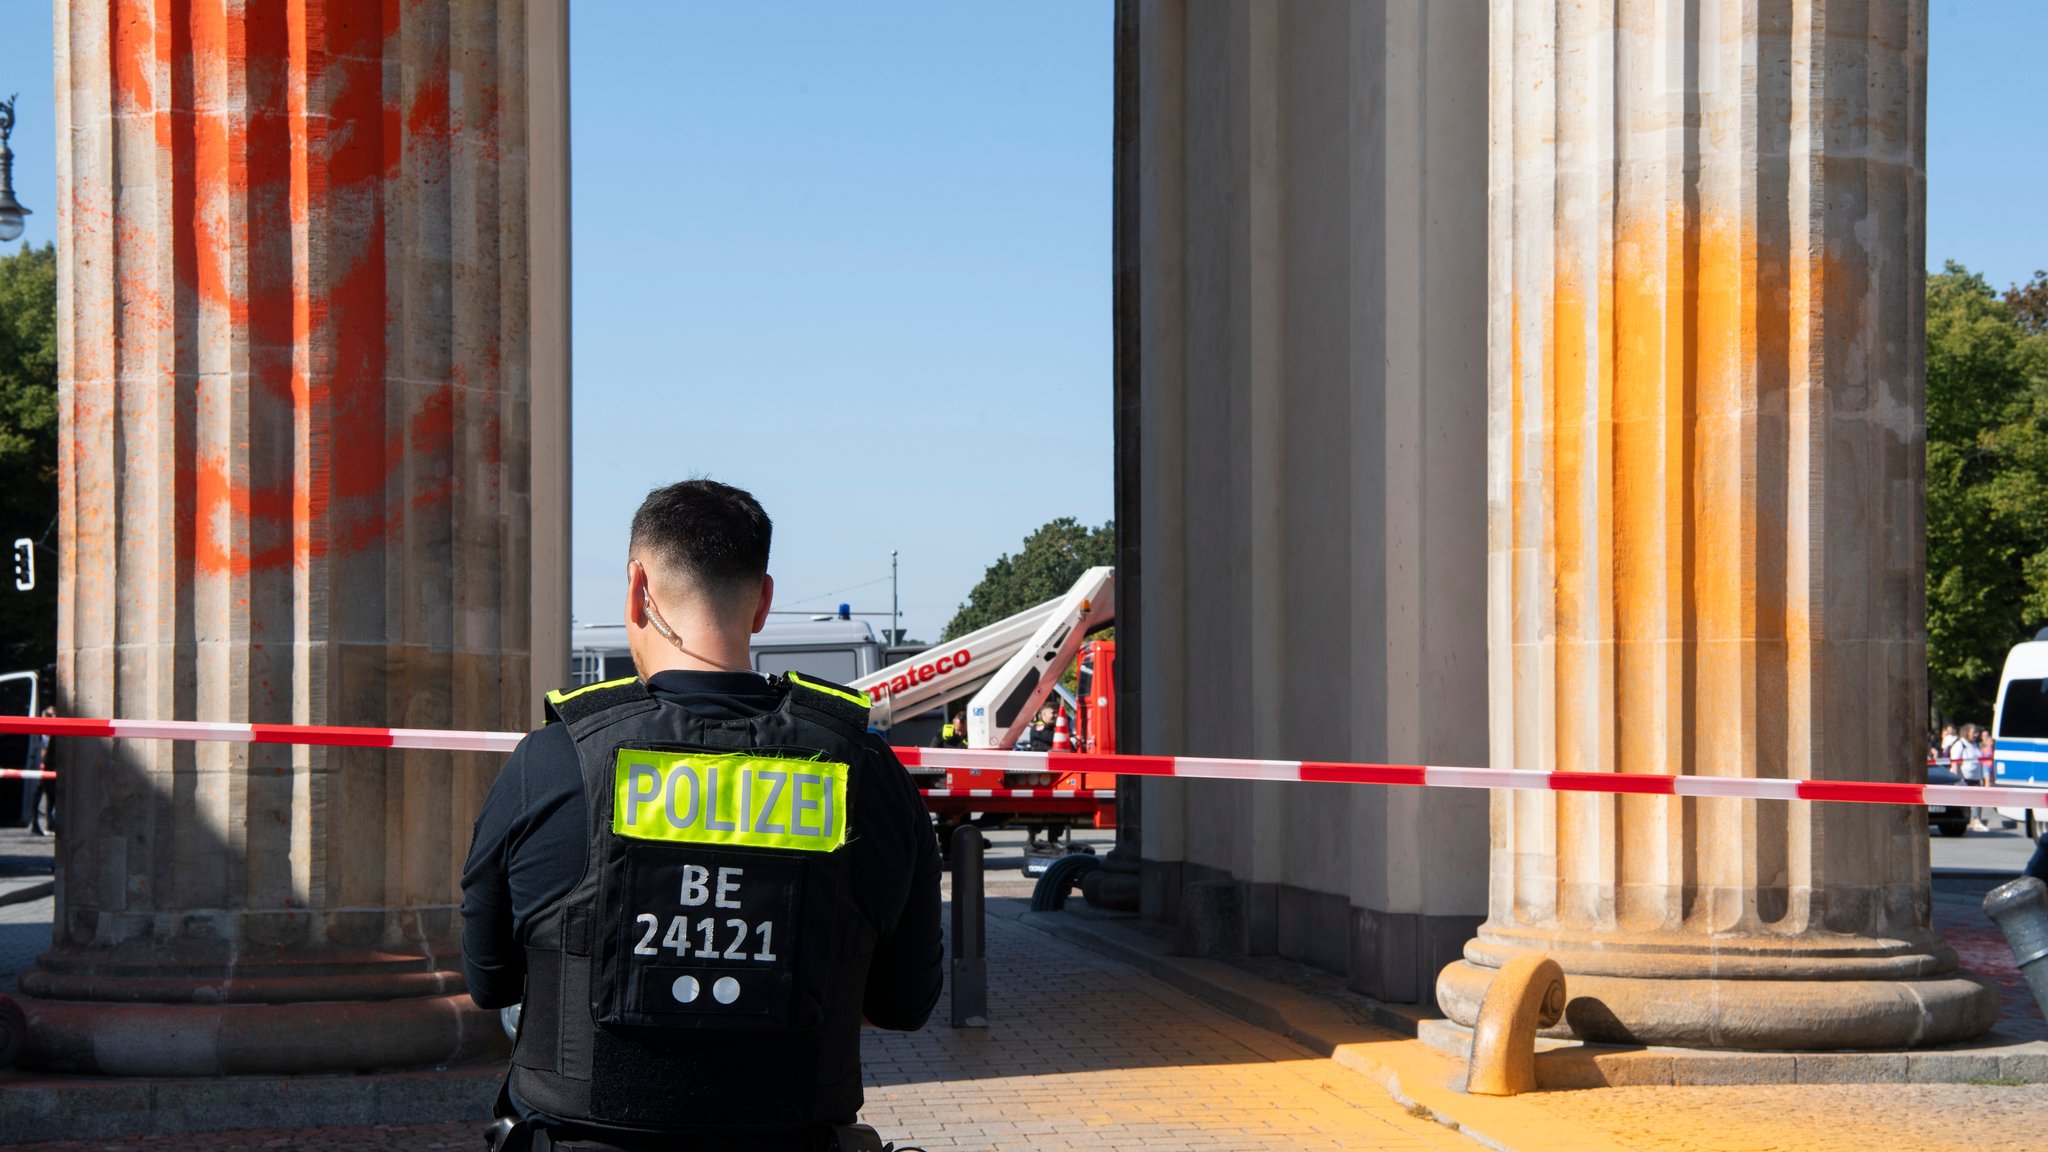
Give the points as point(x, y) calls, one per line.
point(1005, 673)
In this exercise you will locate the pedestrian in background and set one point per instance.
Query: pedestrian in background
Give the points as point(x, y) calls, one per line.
point(42, 819)
point(1966, 760)
point(1987, 761)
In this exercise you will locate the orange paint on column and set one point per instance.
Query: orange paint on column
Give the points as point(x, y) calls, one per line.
point(346, 183)
point(1721, 573)
point(1566, 385)
point(132, 25)
point(221, 505)
point(427, 117)
point(430, 434)
point(215, 181)
point(1646, 472)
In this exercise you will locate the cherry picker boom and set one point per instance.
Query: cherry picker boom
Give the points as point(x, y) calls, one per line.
point(1005, 672)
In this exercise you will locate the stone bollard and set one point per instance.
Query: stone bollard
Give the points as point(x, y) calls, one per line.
point(2021, 909)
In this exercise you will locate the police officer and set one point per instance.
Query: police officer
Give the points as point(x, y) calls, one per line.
point(953, 733)
point(1038, 737)
point(700, 881)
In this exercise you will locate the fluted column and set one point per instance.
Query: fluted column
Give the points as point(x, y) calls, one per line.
point(1310, 479)
point(1706, 507)
point(294, 467)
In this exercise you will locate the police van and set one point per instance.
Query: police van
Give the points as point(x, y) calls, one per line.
point(2019, 726)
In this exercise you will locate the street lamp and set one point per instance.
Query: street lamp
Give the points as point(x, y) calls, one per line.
point(11, 211)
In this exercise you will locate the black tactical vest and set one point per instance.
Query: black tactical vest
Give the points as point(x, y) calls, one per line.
point(706, 972)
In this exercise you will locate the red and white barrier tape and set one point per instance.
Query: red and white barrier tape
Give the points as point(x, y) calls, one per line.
point(1431, 776)
point(436, 739)
point(25, 774)
point(1182, 767)
point(1019, 793)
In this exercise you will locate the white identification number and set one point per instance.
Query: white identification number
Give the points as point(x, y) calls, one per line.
point(677, 938)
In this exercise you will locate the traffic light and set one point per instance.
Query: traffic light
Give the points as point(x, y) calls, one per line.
point(24, 564)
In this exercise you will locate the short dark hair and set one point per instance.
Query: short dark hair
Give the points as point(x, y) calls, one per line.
point(713, 534)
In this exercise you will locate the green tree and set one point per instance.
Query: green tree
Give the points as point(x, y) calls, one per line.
point(2029, 302)
point(28, 452)
point(1987, 487)
point(1050, 561)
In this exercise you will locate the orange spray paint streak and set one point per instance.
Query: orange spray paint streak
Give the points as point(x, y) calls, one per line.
point(1718, 574)
point(1566, 382)
point(271, 301)
point(1643, 476)
point(430, 427)
point(348, 405)
point(308, 445)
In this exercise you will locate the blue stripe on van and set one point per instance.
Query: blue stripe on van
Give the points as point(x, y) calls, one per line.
point(2022, 771)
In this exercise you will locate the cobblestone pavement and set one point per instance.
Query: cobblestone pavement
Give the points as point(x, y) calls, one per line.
point(1835, 1118)
point(1082, 1053)
point(1085, 1053)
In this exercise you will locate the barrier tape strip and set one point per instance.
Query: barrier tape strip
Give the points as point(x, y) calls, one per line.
point(25, 774)
point(429, 739)
point(1179, 767)
point(1019, 793)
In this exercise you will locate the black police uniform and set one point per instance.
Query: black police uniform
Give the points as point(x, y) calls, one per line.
point(699, 886)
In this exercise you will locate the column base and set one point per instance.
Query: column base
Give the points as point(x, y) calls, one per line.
point(156, 1039)
point(1751, 1013)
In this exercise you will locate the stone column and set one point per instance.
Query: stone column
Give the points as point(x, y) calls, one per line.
point(295, 470)
point(1310, 381)
point(1706, 500)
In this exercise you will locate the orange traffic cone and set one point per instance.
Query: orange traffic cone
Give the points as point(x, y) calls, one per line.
point(1062, 741)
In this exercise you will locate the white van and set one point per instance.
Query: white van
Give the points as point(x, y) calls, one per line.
point(2019, 728)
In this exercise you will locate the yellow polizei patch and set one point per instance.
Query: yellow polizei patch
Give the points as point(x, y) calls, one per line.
point(731, 798)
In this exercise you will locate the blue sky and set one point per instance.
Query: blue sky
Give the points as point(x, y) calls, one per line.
point(856, 258)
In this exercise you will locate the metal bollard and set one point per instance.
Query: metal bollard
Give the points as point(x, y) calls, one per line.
point(2021, 909)
point(970, 971)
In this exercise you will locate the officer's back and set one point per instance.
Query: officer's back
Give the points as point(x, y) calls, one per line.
point(700, 881)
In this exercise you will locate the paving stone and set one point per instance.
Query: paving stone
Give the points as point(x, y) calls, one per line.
point(1851, 1068)
point(1622, 1070)
point(1950, 1067)
point(1734, 1069)
point(2028, 1066)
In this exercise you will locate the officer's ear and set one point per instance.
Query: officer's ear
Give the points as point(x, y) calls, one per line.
point(767, 601)
point(636, 593)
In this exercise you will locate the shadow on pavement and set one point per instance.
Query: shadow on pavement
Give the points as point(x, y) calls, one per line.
point(1057, 1008)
